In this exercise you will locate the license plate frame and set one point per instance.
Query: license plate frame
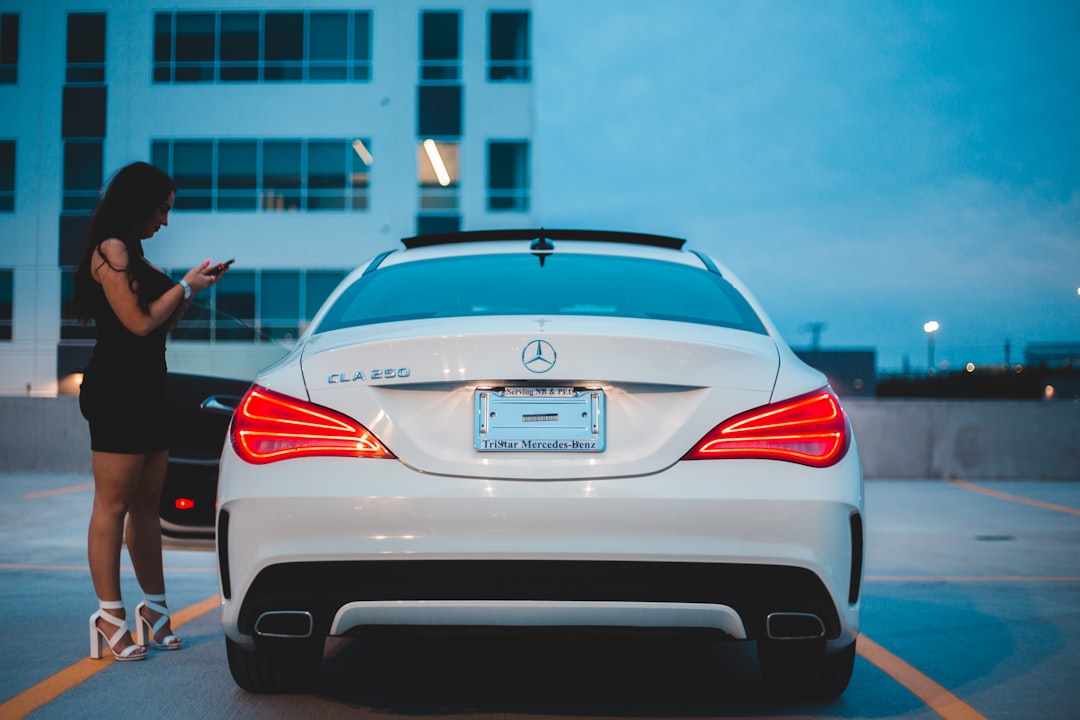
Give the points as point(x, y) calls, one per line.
point(539, 419)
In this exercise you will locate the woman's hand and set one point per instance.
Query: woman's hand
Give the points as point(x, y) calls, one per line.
point(200, 277)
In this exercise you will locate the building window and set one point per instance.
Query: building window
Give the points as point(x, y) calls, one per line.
point(193, 173)
point(7, 175)
point(440, 47)
point(269, 175)
point(247, 305)
point(508, 47)
point(237, 175)
point(71, 328)
point(83, 113)
point(438, 170)
point(227, 47)
point(82, 175)
point(508, 176)
point(85, 48)
point(194, 45)
point(439, 175)
point(317, 287)
point(9, 48)
point(256, 305)
point(279, 304)
point(7, 301)
point(235, 298)
point(439, 110)
point(239, 38)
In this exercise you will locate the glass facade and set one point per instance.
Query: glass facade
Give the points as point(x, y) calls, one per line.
point(257, 305)
point(269, 47)
point(439, 109)
point(83, 111)
point(247, 305)
point(268, 175)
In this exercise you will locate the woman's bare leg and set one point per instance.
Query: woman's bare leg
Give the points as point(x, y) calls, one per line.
point(116, 476)
point(144, 531)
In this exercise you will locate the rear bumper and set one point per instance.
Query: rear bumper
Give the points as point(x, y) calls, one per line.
point(383, 545)
point(340, 596)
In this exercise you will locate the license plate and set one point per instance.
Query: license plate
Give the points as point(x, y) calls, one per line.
point(539, 419)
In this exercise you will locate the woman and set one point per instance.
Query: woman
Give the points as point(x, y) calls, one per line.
point(134, 305)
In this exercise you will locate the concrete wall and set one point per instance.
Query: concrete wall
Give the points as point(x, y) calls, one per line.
point(43, 435)
point(984, 439)
point(989, 440)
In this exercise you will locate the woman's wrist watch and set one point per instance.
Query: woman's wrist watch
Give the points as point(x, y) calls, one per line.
point(187, 288)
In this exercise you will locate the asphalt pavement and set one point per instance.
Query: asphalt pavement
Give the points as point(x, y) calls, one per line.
point(971, 609)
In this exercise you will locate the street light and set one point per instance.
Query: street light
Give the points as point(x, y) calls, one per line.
point(930, 328)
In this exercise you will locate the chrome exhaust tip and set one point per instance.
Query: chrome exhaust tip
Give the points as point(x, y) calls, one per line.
point(794, 626)
point(285, 624)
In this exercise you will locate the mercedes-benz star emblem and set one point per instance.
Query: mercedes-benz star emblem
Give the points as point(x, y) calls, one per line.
point(538, 356)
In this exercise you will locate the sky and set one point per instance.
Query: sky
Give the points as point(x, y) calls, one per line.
point(867, 165)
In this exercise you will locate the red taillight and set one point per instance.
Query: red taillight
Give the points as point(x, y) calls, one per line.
point(269, 426)
point(809, 429)
point(184, 503)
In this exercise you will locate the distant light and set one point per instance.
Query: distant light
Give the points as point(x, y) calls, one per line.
point(932, 326)
point(362, 151)
point(70, 384)
point(1018, 369)
point(1048, 392)
point(437, 163)
point(970, 367)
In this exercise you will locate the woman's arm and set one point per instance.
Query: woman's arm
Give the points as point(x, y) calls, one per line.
point(178, 313)
point(122, 299)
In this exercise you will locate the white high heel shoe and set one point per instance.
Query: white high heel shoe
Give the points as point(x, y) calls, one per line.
point(145, 638)
point(97, 635)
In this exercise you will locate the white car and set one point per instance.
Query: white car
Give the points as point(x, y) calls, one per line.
point(541, 428)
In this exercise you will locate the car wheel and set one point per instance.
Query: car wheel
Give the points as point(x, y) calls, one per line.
point(805, 670)
point(276, 665)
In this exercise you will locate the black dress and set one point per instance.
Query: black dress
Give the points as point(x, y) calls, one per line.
point(123, 388)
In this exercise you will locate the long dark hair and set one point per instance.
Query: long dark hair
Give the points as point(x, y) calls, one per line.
point(131, 198)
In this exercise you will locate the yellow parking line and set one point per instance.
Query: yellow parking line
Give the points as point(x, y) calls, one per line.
point(940, 700)
point(53, 687)
point(59, 491)
point(936, 697)
point(1012, 498)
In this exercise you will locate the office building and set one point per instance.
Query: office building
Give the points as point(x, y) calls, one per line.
point(303, 139)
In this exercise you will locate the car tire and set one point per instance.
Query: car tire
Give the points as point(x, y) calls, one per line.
point(805, 670)
point(276, 665)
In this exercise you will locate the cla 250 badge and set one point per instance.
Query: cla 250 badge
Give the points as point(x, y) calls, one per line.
point(387, 374)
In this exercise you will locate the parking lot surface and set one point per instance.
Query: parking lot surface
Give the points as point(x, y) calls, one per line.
point(971, 609)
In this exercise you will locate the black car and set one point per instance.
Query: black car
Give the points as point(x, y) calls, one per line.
point(199, 408)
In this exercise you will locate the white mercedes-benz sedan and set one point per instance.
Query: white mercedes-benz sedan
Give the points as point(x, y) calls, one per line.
point(546, 428)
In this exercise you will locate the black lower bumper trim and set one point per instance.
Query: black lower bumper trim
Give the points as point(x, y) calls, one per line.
point(753, 591)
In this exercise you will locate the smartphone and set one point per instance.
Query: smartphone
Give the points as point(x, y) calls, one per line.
point(220, 267)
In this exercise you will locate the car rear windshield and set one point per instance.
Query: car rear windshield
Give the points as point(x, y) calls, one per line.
point(520, 284)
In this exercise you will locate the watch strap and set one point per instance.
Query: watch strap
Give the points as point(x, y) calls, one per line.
point(187, 288)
